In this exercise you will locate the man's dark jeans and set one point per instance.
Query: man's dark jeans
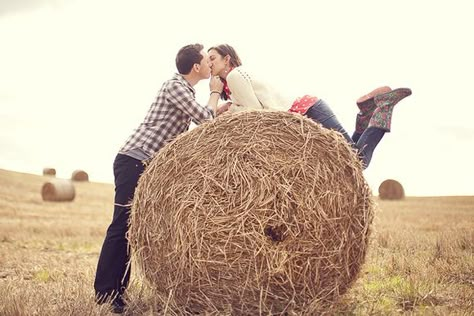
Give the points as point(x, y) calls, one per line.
point(113, 270)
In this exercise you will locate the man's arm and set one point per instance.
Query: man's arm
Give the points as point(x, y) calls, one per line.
point(215, 86)
point(183, 99)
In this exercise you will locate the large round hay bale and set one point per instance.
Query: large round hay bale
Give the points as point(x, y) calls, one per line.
point(79, 175)
point(252, 213)
point(391, 190)
point(58, 190)
point(49, 172)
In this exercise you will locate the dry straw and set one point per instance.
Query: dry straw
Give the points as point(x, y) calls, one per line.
point(252, 213)
point(58, 190)
point(79, 175)
point(391, 190)
point(49, 172)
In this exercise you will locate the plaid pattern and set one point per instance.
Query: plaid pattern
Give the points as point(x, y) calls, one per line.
point(170, 115)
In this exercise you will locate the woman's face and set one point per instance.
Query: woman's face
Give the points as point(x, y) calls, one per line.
point(218, 64)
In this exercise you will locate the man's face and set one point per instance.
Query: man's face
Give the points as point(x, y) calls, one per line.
point(205, 66)
point(217, 63)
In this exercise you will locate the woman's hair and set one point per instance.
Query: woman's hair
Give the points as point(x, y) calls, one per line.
point(187, 57)
point(224, 50)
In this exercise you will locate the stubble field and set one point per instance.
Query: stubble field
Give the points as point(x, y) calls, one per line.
point(420, 260)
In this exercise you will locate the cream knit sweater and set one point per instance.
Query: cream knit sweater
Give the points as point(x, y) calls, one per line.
point(249, 93)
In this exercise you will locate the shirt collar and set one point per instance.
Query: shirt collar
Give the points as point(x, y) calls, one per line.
point(181, 79)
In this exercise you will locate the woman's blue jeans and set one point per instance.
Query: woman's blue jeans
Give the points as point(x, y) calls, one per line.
point(365, 146)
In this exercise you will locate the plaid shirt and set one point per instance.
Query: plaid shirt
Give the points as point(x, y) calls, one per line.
point(170, 115)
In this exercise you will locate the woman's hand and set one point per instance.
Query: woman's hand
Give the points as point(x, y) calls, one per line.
point(223, 108)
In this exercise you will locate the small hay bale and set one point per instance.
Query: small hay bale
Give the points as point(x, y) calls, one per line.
point(252, 213)
point(80, 175)
point(49, 172)
point(58, 190)
point(391, 190)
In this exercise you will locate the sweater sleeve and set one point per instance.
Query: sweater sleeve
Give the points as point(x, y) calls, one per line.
point(242, 93)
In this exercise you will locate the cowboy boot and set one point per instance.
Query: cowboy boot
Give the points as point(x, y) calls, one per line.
point(382, 116)
point(367, 107)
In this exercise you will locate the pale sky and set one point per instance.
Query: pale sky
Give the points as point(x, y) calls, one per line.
point(77, 76)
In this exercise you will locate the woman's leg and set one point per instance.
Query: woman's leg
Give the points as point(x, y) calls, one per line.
point(367, 107)
point(367, 142)
point(322, 113)
point(382, 116)
point(380, 122)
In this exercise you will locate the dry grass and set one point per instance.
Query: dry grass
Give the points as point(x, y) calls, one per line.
point(420, 261)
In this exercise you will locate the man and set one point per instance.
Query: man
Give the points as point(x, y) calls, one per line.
point(170, 115)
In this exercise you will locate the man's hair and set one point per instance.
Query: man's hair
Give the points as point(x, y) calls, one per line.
point(187, 57)
point(226, 49)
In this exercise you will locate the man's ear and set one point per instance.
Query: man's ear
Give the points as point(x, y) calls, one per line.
point(196, 67)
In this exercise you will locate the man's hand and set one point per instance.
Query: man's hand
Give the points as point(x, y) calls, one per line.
point(216, 84)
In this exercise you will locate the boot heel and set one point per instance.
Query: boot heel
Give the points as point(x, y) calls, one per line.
point(372, 94)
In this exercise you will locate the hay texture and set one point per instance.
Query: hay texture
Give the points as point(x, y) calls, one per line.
point(49, 172)
point(79, 175)
point(58, 190)
point(391, 190)
point(252, 213)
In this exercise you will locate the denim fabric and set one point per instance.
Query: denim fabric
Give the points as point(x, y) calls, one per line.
point(367, 143)
point(112, 275)
point(364, 144)
point(356, 136)
point(322, 113)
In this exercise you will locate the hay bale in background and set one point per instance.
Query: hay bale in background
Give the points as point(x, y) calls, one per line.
point(252, 213)
point(49, 172)
point(391, 190)
point(80, 175)
point(58, 190)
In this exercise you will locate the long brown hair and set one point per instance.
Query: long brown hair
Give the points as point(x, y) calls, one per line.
point(224, 50)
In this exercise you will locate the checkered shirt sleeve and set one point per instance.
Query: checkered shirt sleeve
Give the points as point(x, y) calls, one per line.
point(170, 115)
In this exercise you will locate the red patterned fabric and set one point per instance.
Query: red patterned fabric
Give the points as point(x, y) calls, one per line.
point(226, 86)
point(226, 89)
point(301, 105)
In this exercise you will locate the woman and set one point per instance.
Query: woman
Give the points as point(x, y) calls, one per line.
point(248, 93)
